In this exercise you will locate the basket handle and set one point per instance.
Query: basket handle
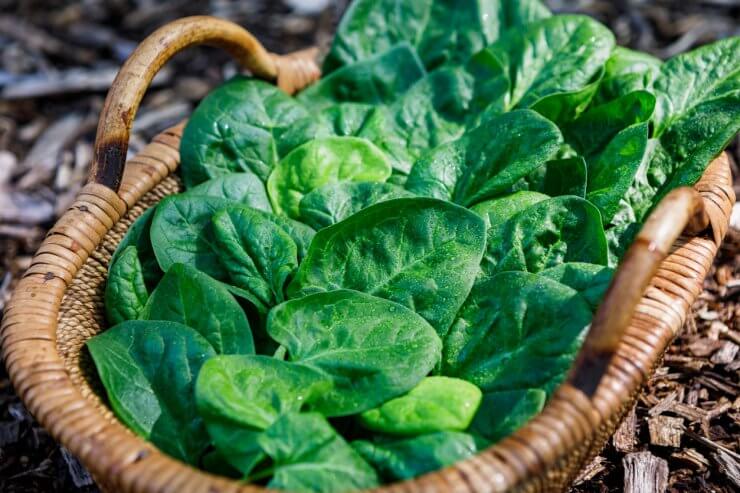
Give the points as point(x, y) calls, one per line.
point(681, 210)
point(291, 72)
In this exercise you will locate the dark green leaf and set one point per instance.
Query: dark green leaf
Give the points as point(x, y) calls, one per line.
point(321, 162)
point(310, 456)
point(565, 107)
point(234, 130)
point(333, 203)
point(373, 349)
point(421, 253)
point(377, 80)
point(562, 229)
point(187, 296)
point(148, 369)
point(238, 396)
point(125, 291)
point(627, 71)
point(516, 331)
point(591, 281)
point(412, 457)
point(502, 413)
point(244, 188)
point(436, 404)
point(557, 177)
point(612, 172)
point(498, 211)
point(486, 161)
point(138, 235)
point(257, 253)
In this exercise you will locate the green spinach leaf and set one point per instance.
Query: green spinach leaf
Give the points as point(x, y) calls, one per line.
point(627, 71)
point(257, 253)
point(497, 211)
point(561, 229)
point(125, 291)
point(502, 413)
point(138, 236)
point(516, 331)
point(486, 161)
point(373, 349)
point(321, 162)
point(234, 129)
point(187, 296)
point(334, 203)
point(591, 281)
point(421, 253)
point(412, 457)
point(244, 188)
point(377, 80)
point(557, 177)
point(310, 456)
point(148, 369)
point(436, 404)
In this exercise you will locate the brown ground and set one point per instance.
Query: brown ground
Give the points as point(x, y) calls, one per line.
point(56, 61)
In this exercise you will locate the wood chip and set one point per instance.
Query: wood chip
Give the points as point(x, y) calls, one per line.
point(692, 458)
point(644, 473)
point(666, 431)
point(664, 405)
point(725, 354)
point(728, 465)
point(624, 439)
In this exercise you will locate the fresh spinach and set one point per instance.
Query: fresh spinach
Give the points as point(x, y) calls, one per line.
point(187, 296)
point(244, 188)
point(125, 292)
point(373, 349)
point(138, 236)
point(516, 331)
point(320, 162)
point(478, 167)
point(421, 253)
point(411, 457)
point(148, 369)
point(436, 404)
point(590, 280)
point(502, 413)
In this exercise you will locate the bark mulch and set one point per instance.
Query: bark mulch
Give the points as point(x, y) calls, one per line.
point(58, 58)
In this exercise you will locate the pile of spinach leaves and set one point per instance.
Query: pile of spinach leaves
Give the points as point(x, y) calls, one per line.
point(395, 269)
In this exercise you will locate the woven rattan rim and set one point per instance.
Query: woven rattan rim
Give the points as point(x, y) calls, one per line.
point(58, 305)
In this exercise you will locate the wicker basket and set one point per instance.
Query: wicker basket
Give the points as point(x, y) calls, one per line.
point(58, 304)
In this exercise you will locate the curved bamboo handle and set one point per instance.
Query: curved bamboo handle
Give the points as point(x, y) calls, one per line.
point(681, 210)
point(292, 72)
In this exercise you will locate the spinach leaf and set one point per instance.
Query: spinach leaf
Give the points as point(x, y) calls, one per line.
point(148, 369)
point(557, 177)
point(561, 55)
point(257, 253)
point(377, 80)
point(594, 129)
point(627, 71)
point(309, 455)
point(333, 203)
point(321, 162)
point(502, 413)
point(125, 291)
point(234, 129)
point(342, 119)
point(412, 457)
point(187, 296)
point(432, 112)
point(138, 235)
point(182, 233)
point(590, 280)
point(421, 253)
point(689, 81)
point(436, 404)
point(498, 211)
point(373, 349)
point(372, 26)
point(486, 161)
point(613, 171)
point(561, 229)
point(516, 331)
point(244, 188)
point(239, 396)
